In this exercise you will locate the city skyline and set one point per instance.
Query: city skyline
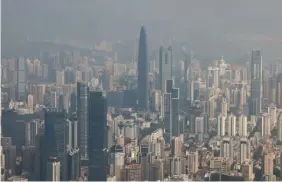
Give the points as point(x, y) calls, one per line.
point(172, 104)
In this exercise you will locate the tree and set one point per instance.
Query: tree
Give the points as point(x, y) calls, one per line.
point(274, 132)
point(258, 153)
point(123, 80)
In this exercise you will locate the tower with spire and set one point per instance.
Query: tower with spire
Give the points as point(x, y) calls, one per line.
point(143, 82)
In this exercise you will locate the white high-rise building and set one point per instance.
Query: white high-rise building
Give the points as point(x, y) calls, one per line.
point(242, 122)
point(232, 125)
point(192, 161)
point(60, 77)
point(272, 111)
point(221, 125)
point(243, 96)
point(235, 96)
point(156, 100)
point(213, 77)
point(265, 125)
point(224, 107)
point(226, 149)
point(30, 101)
point(222, 67)
point(279, 128)
point(227, 96)
point(117, 163)
point(191, 91)
point(53, 170)
point(245, 150)
point(199, 125)
point(53, 99)
point(268, 162)
point(157, 147)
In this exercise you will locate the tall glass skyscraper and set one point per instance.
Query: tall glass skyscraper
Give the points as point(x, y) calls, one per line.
point(165, 66)
point(97, 136)
point(55, 132)
point(256, 82)
point(82, 109)
point(171, 110)
point(187, 60)
point(20, 79)
point(143, 84)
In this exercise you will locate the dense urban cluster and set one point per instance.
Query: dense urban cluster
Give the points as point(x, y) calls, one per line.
point(71, 117)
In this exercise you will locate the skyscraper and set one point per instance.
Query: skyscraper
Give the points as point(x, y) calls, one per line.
point(213, 77)
point(186, 71)
point(231, 125)
point(221, 125)
point(72, 171)
point(31, 130)
point(192, 159)
point(73, 101)
point(143, 84)
point(226, 148)
point(10, 154)
point(53, 170)
point(20, 79)
point(245, 151)
point(264, 119)
point(132, 172)
point(169, 59)
point(224, 107)
point(82, 109)
point(28, 156)
point(40, 165)
point(165, 67)
point(268, 162)
point(55, 131)
point(256, 82)
point(176, 145)
point(97, 136)
point(279, 128)
point(242, 122)
point(161, 58)
point(171, 109)
point(116, 161)
point(247, 170)
point(279, 90)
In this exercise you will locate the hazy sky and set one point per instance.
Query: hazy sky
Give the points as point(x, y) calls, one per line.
point(203, 23)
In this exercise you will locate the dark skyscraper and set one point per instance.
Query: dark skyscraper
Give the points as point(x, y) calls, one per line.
point(186, 65)
point(171, 113)
point(256, 82)
point(73, 101)
point(170, 60)
point(97, 136)
point(82, 109)
point(61, 104)
point(72, 164)
point(55, 131)
point(20, 79)
point(161, 58)
point(279, 90)
point(143, 85)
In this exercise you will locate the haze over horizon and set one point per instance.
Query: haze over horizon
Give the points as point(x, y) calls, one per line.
point(215, 27)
